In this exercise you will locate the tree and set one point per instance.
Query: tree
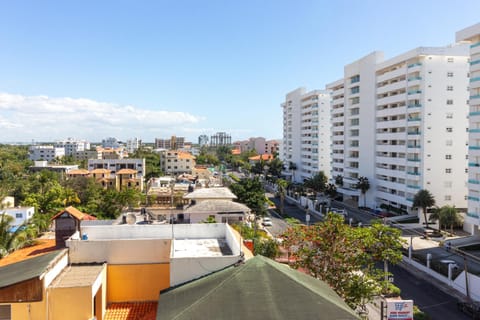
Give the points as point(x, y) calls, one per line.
point(317, 182)
point(331, 190)
point(282, 188)
point(292, 166)
point(424, 199)
point(344, 257)
point(275, 167)
point(251, 193)
point(339, 180)
point(363, 185)
point(446, 216)
point(11, 240)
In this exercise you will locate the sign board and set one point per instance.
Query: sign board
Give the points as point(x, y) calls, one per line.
point(399, 309)
point(307, 218)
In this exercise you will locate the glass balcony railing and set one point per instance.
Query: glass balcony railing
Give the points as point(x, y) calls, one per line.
point(473, 147)
point(414, 78)
point(411, 186)
point(413, 159)
point(475, 45)
point(414, 106)
point(474, 62)
point(472, 215)
point(413, 173)
point(475, 96)
point(414, 92)
point(474, 113)
point(473, 198)
point(474, 79)
point(417, 64)
point(416, 146)
point(474, 130)
point(473, 181)
point(473, 164)
point(414, 119)
point(413, 132)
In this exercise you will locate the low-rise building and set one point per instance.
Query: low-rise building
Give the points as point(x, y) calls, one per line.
point(46, 153)
point(20, 214)
point(176, 162)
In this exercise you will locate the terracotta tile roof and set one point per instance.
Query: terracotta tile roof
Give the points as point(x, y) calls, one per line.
point(100, 171)
point(264, 157)
point(78, 171)
point(41, 247)
point(75, 213)
point(126, 171)
point(185, 155)
point(236, 151)
point(132, 311)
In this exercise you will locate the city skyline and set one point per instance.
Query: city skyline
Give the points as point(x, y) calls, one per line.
point(95, 70)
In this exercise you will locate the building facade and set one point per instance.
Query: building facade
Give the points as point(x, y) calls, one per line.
point(306, 133)
point(173, 143)
point(471, 35)
point(176, 162)
point(220, 139)
point(72, 146)
point(46, 153)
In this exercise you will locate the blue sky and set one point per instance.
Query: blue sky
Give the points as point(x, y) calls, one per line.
point(146, 69)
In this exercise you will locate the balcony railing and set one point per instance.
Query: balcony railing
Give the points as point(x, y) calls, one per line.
point(413, 173)
point(475, 96)
point(474, 113)
point(411, 186)
point(414, 78)
point(474, 79)
point(473, 147)
point(413, 132)
point(413, 159)
point(475, 62)
point(473, 181)
point(414, 119)
point(414, 65)
point(475, 45)
point(414, 106)
point(474, 198)
point(472, 215)
point(414, 92)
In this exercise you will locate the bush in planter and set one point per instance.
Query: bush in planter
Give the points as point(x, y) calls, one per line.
point(419, 314)
point(391, 290)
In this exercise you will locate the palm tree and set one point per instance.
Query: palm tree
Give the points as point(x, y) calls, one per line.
point(292, 166)
point(446, 216)
point(339, 180)
point(282, 187)
point(11, 240)
point(424, 199)
point(363, 185)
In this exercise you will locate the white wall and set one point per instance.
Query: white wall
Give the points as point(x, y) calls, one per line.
point(186, 269)
point(121, 251)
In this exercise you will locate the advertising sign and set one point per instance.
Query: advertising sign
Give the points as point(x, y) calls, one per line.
point(399, 309)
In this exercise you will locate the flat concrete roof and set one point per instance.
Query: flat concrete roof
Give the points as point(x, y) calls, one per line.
point(187, 248)
point(78, 276)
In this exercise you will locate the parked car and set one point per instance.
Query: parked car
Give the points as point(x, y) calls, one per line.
point(267, 222)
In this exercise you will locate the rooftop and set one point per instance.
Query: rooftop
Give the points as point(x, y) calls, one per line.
point(200, 248)
point(218, 206)
point(211, 193)
point(131, 311)
point(78, 276)
point(41, 247)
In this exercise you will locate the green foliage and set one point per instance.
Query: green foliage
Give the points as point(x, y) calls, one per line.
point(363, 185)
point(10, 241)
point(317, 182)
point(331, 190)
point(419, 314)
point(424, 199)
point(152, 162)
point(210, 219)
point(251, 193)
point(345, 257)
point(275, 167)
point(447, 216)
point(266, 247)
point(339, 180)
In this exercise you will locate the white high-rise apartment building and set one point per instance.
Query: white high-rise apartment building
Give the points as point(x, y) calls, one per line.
point(72, 146)
point(402, 123)
point(353, 127)
point(421, 127)
point(472, 219)
point(46, 153)
point(306, 133)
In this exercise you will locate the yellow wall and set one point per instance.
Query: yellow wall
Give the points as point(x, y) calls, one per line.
point(28, 311)
point(72, 303)
point(136, 282)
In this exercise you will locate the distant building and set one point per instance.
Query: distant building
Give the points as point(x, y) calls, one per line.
point(176, 162)
point(111, 143)
point(259, 144)
point(133, 145)
point(173, 143)
point(43, 165)
point(203, 140)
point(220, 139)
point(20, 214)
point(72, 146)
point(127, 173)
point(47, 153)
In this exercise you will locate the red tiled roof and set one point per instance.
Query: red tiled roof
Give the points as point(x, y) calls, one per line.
point(265, 156)
point(42, 246)
point(126, 171)
point(132, 311)
point(75, 213)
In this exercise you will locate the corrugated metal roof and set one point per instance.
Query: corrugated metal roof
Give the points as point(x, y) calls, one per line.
point(258, 289)
point(27, 269)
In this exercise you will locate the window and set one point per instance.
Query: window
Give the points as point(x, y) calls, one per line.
point(449, 115)
point(449, 129)
point(449, 88)
point(5, 312)
point(447, 184)
point(450, 60)
point(449, 74)
point(448, 198)
point(448, 156)
point(448, 170)
point(18, 215)
point(449, 102)
point(449, 142)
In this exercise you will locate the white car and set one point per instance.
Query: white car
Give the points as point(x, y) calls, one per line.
point(267, 222)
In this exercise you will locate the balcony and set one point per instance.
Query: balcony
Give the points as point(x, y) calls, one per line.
point(474, 113)
point(473, 147)
point(414, 78)
point(474, 62)
point(413, 65)
point(473, 164)
point(475, 96)
point(473, 198)
point(418, 146)
point(472, 215)
point(475, 79)
point(414, 119)
point(413, 133)
point(473, 181)
point(413, 173)
point(414, 92)
point(475, 45)
point(474, 130)
point(411, 186)
point(413, 159)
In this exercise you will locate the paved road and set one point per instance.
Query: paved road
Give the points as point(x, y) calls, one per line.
point(426, 296)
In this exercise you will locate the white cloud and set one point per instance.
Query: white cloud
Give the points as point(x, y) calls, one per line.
point(23, 118)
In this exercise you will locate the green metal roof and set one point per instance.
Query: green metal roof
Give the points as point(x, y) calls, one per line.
point(26, 269)
point(258, 289)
